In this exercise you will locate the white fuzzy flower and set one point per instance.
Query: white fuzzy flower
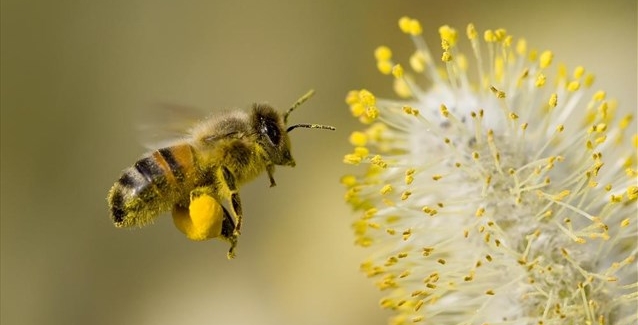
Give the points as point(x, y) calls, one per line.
point(504, 198)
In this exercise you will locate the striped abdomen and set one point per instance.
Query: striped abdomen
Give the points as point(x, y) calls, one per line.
point(152, 186)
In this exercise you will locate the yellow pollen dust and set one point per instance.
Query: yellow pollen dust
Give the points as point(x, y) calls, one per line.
point(540, 80)
point(383, 53)
point(367, 98)
point(362, 101)
point(418, 305)
point(385, 67)
point(500, 34)
point(449, 35)
point(533, 55)
point(546, 59)
point(471, 32)
point(589, 80)
point(553, 100)
point(446, 56)
point(602, 127)
point(372, 112)
point(409, 176)
point(386, 189)
point(352, 159)
point(521, 46)
point(599, 95)
point(489, 36)
point(562, 72)
point(615, 198)
point(348, 180)
point(507, 41)
point(377, 160)
point(560, 196)
point(499, 93)
point(355, 158)
point(361, 152)
point(370, 213)
point(407, 234)
point(397, 71)
point(430, 211)
point(573, 86)
point(444, 111)
point(410, 26)
point(411, 111)
point(401, 88)
point(445, 45)
point(358, 139)
point(625, 121)
point(579, 71)
point(417, 61)
point(375, 131)
point(523, 76)
point(357, 109)
point(427, 251)
point(352, 97)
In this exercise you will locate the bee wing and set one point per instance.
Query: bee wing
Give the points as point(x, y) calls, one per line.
point(223, 125)
point(164, 124)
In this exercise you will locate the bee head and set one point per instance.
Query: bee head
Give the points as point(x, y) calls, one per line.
point(272, 135)
point(272, 131)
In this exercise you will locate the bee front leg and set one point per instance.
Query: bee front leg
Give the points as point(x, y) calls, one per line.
point(271, 170)
point(235, 202)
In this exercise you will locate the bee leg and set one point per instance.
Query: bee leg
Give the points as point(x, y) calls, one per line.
point(228, 233)
point(229, 178)
point(199, 191)
point(271, 170)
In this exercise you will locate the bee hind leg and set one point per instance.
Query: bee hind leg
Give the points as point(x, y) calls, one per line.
point(228, 233)
point(235, 201)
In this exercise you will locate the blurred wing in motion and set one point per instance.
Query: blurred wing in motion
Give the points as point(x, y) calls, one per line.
point(164, 124)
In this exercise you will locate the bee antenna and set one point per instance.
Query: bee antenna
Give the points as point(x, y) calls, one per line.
point(310, 126)
point(299, 101)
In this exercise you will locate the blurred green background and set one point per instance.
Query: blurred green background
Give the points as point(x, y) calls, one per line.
point(76, 73)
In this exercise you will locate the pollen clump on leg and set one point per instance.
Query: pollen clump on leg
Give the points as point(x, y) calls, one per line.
point(202, 220)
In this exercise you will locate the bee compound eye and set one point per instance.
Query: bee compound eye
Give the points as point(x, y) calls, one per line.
point(272, 131)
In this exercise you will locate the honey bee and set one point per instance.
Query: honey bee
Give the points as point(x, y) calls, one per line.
point(198, 178)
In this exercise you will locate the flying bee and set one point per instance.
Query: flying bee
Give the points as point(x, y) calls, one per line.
point(198, 178)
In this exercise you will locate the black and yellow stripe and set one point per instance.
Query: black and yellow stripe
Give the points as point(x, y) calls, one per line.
point(151, 186)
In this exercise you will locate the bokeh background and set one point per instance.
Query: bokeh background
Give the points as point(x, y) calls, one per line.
point(75, 75)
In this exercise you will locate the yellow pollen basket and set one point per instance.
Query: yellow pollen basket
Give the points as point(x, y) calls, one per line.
point(202, 220)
